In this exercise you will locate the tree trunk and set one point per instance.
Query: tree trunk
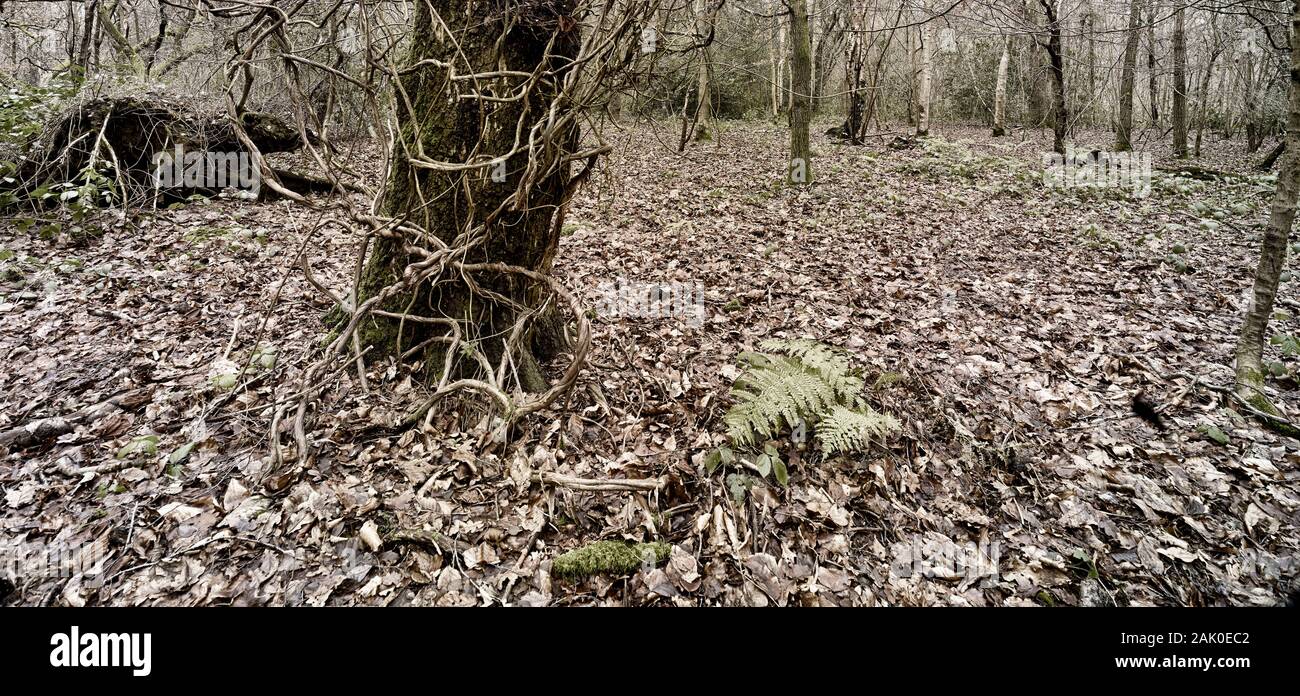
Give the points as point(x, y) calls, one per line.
point(800, 98)
point(1254, 138)
point(925, 83)
point(813, 67)
point(1151, 64)
point(1000, 92)
point(774, 59)
point(854, 63)
point(443, 121)
point(704, 100)
point(1061, 118)
point(1203, 106)
point(1124, 129)
point(1180, 85)
point(1250, 345)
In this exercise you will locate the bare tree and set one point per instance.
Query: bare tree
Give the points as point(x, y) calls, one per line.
point(1180, 84)
point(1056, 61)
point(1000, 91)
point(925, 81)
point(1124, 127)
point(1272, 257)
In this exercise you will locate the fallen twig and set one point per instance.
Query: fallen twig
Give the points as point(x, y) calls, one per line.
point(49, 428)
point(582, 484)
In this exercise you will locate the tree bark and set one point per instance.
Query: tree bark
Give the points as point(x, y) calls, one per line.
point(1204, 91)
point(1250, 344)
point(704, 99)
point(1151, 64)
point(448, 122)
point(1061, 119)
point(1000, 92)
point(800, 172)
point(1124, 128)
point(925, 83)
point(1180, 84)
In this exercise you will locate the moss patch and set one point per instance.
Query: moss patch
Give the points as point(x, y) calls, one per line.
point(1263, 404)
point(613, 557)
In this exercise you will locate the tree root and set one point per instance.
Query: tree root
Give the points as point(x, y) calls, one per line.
point(1258, 406)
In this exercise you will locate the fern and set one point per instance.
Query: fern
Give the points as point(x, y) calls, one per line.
point(829, 363)
point(847, 430)
point(773, 394)
point(802, 382)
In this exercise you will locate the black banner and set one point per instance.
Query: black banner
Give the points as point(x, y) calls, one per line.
point(954, 648)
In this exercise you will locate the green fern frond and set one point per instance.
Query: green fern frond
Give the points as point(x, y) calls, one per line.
point(831, 364)
point(802, 381)
point(774, 396)
point(847, 430)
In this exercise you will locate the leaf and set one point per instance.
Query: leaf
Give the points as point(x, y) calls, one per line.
point(763, 464)
point(1214, 433)
point(738, 485)
point(181, 453)
point(782, 474)
point(713, 461)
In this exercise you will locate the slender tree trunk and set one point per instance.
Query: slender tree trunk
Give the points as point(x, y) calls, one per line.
point(1254, 134)
point(812, 52)
point(801, 172)
point(1180, 85)
point(1203, 106)
point(1250, 345)
point(912, 91)
point(782, 92)
point(925, 83)
point(1124, 128)
point(704, 100)
point(1061, 119)
point(774, 59)
point(1092, 56)
point(1000, 91)
point(441, 117)
point(87, 34)
point(1151, 65)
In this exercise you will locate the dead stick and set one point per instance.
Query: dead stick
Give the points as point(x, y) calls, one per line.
point(582, 484)
point(49, 428)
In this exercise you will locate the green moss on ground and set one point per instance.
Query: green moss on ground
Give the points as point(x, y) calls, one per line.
point(1261, 403)
point(612, 557)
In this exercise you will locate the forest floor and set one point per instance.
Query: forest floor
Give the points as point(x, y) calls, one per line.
point(1006, 325)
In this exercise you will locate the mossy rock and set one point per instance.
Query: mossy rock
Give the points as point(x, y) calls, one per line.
point(610, 557)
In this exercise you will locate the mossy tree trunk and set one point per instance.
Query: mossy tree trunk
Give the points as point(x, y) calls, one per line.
point(800, 95)
point(443, 117)
point(1250, 344)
